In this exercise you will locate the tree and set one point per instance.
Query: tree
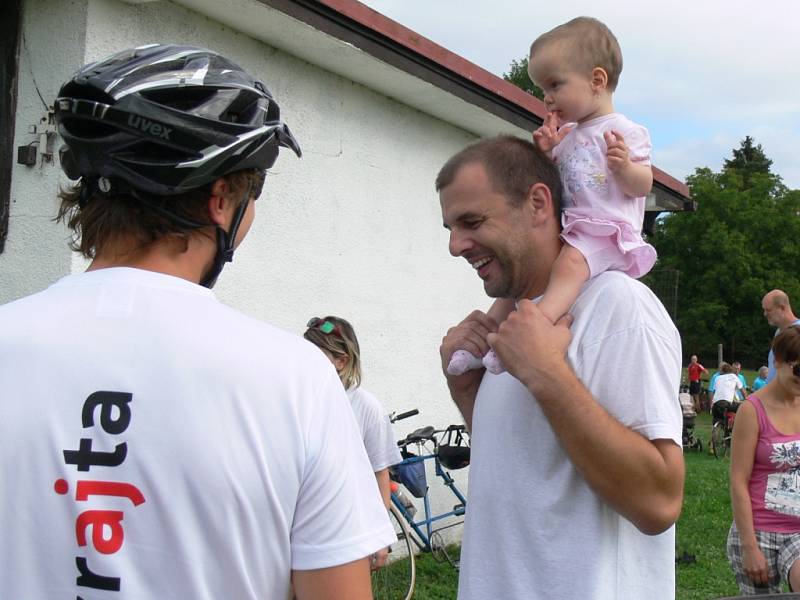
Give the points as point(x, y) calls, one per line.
point(739, 244)
point(748, 160)
point(518, 75)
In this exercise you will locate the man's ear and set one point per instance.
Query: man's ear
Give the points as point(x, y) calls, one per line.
point(218, 201)
point(539, 202)
point(599, 79)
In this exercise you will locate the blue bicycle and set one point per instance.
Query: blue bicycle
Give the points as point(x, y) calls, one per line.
point(449, 450)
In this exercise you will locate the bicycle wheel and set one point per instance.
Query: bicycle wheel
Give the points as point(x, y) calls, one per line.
point(718, 446)
point(396, 580)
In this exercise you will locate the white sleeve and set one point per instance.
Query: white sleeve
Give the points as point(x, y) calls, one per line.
point(633, 366)
point(339, 516)
point(379, 437)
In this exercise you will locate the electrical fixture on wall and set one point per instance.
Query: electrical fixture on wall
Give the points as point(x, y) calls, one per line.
point(39, 150)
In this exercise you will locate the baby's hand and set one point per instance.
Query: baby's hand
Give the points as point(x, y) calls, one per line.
point(548, 136)
point(617, 152)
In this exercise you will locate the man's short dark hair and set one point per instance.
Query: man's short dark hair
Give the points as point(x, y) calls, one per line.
point(513, 166)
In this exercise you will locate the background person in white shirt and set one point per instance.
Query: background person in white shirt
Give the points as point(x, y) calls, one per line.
point(337, 340)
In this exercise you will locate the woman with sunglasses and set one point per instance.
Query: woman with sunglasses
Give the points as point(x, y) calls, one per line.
point(337, 339)
point(764, 539)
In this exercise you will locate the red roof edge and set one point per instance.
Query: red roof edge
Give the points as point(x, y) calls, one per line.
point(412, 40)
point(669, 181)
point(383, 25)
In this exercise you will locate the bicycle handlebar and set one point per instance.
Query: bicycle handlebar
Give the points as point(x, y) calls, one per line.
point(404, 415)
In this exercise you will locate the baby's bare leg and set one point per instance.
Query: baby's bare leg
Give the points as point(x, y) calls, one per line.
point(499, 311)
point(570, 272)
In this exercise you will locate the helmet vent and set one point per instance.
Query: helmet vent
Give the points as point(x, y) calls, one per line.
point(86, 129)
point(85, 92)
point(183, 99)
point(155, 153)
point(160, 70)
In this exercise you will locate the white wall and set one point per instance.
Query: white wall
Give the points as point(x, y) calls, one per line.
point(353, 228)
point(36, 251)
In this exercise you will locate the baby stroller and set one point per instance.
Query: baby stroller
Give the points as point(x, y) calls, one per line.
point(690, 442)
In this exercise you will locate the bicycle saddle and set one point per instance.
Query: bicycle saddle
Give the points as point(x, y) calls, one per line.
point(421, 434)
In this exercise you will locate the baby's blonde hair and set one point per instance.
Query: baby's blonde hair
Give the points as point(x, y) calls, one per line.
point(341, 341)
point(591, 45)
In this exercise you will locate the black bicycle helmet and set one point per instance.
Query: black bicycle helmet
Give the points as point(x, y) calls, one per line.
point(161, 120)
point(166, 119)
point(454, 457)
point(454, 451)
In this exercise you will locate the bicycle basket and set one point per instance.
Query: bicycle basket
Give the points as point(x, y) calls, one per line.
point(411, 474)
point(454, 452)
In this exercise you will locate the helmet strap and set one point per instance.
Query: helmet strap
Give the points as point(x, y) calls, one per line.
point(225, 243)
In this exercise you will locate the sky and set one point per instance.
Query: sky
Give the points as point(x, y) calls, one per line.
point(699, 74)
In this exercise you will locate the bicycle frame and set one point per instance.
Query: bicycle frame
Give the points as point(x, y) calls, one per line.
point(423, 528)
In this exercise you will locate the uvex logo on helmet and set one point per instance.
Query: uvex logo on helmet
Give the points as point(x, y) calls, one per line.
point(147, 126)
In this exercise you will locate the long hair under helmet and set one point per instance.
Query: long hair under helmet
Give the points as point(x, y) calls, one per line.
point(160, 120)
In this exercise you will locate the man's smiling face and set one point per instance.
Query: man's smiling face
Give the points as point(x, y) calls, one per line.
point(489, 232)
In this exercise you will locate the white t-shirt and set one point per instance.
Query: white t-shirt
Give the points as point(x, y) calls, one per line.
point(725, 387)
point(158, 442)
point(534, 529)
point(376, 429)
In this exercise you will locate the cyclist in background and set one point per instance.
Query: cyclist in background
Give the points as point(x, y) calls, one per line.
point(337, 340)
point(727, 385)
point(156, 442)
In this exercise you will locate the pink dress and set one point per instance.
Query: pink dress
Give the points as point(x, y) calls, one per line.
point(775, 480)
point(598, 219)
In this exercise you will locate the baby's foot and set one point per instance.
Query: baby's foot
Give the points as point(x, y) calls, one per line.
point(462, 361)
point(492, 363)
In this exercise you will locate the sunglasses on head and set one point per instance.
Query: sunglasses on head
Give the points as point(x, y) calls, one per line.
point(325, 326)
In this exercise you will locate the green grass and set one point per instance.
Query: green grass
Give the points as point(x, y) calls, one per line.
point(436, 580)
point(702, 531)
